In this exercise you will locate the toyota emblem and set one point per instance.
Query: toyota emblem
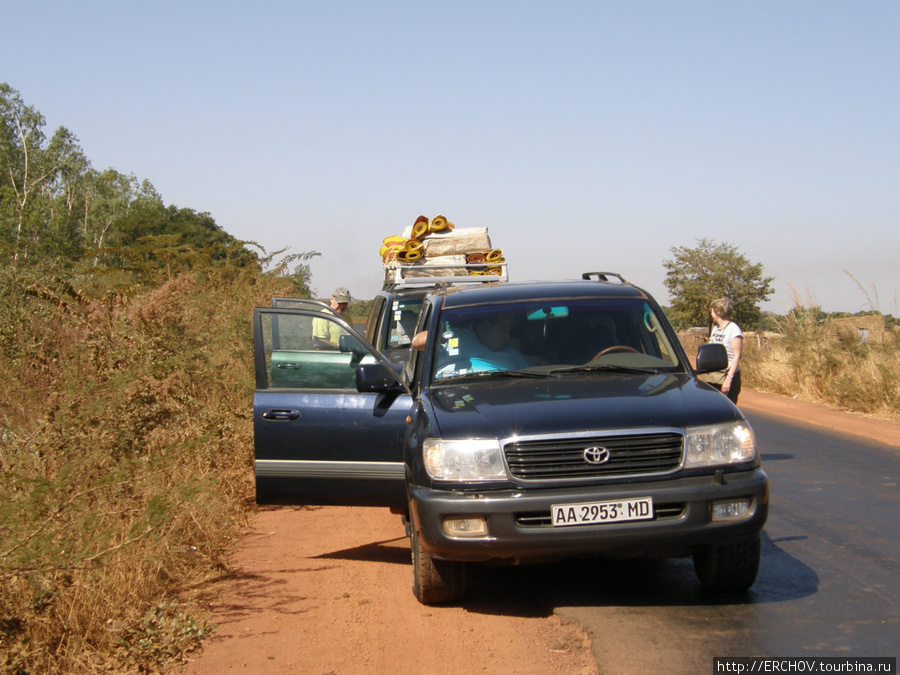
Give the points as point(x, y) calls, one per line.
point(596, 455)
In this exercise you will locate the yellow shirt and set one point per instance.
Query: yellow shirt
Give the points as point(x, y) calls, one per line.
point(326, 330)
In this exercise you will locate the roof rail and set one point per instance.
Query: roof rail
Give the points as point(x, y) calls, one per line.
point(603, 276)
point(406, 275)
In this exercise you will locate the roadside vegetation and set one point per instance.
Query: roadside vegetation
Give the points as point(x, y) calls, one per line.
point(125, 416)
point(824, 359)
point(125, 461)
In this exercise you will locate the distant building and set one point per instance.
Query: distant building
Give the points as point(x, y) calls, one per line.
point(864, 328)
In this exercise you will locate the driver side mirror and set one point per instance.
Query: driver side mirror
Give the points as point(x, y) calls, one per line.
point(377, 378)
point(711, 357)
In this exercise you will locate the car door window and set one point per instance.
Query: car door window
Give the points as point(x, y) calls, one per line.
point(309, 351)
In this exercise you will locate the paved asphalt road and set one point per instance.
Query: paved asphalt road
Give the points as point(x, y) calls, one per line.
point(829, 582)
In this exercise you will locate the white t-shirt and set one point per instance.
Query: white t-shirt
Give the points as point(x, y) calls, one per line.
point(724, 336)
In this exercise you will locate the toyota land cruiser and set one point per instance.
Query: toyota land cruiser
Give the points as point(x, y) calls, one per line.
point(540, 421)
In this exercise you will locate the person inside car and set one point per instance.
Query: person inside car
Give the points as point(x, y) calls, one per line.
point(483, 345)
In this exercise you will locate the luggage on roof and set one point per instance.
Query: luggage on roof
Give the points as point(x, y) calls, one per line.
point(432, 251)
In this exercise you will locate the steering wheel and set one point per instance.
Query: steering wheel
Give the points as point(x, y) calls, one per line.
point(615, 348)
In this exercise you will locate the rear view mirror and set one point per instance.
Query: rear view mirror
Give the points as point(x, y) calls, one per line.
point(549, 313)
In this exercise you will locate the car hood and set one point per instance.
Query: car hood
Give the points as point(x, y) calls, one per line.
point(501, 408)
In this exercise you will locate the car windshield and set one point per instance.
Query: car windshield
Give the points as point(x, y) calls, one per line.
point(554, 337)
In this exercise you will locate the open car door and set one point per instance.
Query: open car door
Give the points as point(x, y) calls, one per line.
point(317, 440)
point(301, 303)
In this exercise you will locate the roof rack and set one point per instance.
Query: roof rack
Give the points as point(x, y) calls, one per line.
point(603, 276)
point(399, 274)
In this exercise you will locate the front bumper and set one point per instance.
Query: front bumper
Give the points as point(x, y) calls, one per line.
point(518, 520)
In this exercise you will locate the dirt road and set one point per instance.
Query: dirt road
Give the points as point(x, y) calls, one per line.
point(327, 590)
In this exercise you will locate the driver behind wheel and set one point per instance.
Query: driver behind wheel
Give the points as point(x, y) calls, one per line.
point(488, 346)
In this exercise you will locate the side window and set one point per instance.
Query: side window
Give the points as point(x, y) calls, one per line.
point(412, 370)
point(309, 351)
point(375, 320)
point(659, 345)
point(402, 321)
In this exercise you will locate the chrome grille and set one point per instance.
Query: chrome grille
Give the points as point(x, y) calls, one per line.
point(563, 458)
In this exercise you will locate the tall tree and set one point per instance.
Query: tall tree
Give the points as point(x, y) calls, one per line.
point(22, 129)
point(697, 276)
point(34, 175)
point(111, 196)
point(67, 192)
point(54, 206)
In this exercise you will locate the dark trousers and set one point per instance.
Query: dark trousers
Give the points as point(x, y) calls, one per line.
point(735, 388)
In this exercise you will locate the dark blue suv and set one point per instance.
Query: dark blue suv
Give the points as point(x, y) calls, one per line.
point(537, 421)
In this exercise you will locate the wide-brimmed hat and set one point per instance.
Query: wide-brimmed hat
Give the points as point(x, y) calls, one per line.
point(341, 295)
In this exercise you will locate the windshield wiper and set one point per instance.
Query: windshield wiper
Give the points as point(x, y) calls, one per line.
point(609, 367)
point(498, 373)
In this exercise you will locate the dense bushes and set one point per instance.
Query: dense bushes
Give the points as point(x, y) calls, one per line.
point(125, 460)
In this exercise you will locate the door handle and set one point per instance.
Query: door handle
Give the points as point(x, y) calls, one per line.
point(281, 415)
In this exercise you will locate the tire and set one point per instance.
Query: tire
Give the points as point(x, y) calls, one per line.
point(435, 581)
point(728, 567)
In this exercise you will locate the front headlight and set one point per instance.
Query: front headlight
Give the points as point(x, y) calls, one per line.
point(463, 460)
point(718, 444)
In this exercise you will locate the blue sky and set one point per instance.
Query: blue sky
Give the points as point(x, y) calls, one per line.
point(585, 135)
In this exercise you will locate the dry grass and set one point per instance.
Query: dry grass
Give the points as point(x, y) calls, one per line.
point(816, 362)
point(125, 464)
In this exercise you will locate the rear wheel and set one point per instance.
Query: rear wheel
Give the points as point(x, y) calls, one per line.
point(728, 567)
point(435, 581)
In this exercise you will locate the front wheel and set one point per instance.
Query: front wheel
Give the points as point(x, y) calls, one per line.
point(728, 567)
point(435, 581)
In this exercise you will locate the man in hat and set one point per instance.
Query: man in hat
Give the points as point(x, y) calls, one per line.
point(326, 334)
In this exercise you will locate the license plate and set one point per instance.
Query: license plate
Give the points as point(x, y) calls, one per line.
point(590, 513)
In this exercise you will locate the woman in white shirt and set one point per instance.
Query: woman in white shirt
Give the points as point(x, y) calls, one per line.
point(726, 332)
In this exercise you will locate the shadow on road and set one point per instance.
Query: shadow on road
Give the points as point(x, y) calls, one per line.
point(393, 551)
point(633, 583)
point(535, 590)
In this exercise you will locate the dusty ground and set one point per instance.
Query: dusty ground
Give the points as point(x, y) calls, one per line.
point(327, 590)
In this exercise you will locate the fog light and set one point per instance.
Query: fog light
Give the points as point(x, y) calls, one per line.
point(465, 526)
point(732, 509)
